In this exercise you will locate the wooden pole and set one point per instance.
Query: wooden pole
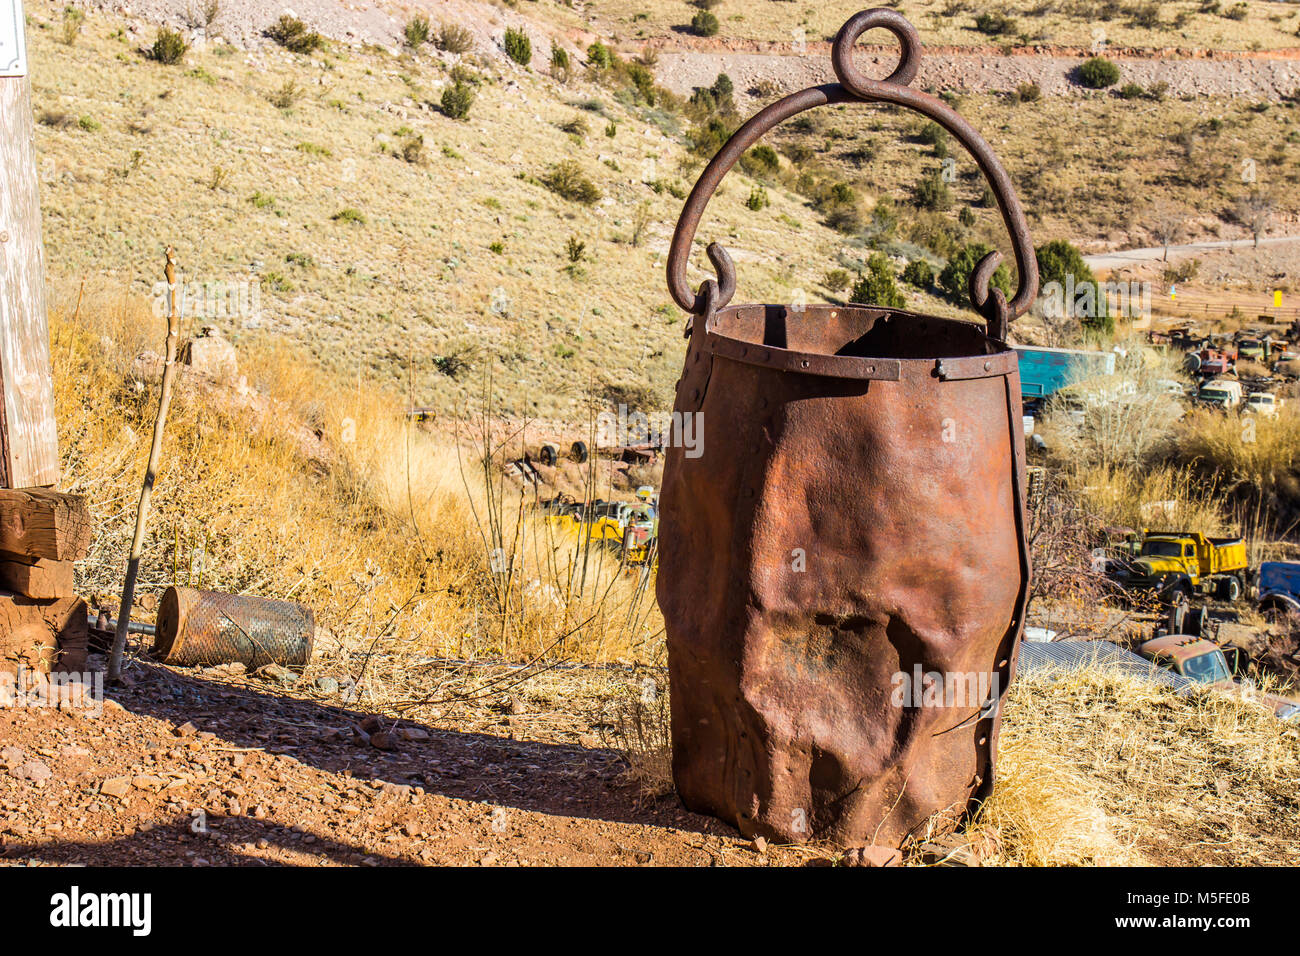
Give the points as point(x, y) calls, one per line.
point(29, 442)
point(151, 472)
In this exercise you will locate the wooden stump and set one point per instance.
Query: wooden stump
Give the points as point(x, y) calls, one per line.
point(42, 635)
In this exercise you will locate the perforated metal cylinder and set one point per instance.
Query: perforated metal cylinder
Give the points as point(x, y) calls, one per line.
point(208, 627)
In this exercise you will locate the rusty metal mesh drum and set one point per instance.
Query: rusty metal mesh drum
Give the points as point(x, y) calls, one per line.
point(208, 627)
point(847, 523)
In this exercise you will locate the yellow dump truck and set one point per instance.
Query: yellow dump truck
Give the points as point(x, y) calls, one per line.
point(1178, 564)
point(629, 528)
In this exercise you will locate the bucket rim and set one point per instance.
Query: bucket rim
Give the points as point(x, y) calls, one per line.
point(1000, 359)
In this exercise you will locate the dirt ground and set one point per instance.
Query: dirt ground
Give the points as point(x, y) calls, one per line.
point(188, 770)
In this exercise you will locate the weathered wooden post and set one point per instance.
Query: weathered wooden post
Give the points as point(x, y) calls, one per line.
point(41, 530)
point(28, 437)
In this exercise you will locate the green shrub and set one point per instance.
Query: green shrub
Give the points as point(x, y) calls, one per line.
point(966, 217)
point(576, 127)
point(919, 273)
point(877, 286)
point(704, 24)
point(412, 150)
point(1098, 73)
point(350, 215)
point(90, 124)
point(1028, 93)
point(1145, 15)
point(709, 137)
point(416, 32)
point(995, 24)
point(932, 134)
point(286, 96)
point(454, 38)
point(932, 192)
point(457, 99)
point(758, 199)
point(762, 160)
point(169, 47)
point(956, 274)
point(600, 56)
point(560, 66)
point(71, 27)
point(837, 280)
point(1062, 263)
point(710, 102)
point(518, 47)
point(292, 34)
point(1238, 11)
point(837, 202)
point(642, 80)
point(566, 179)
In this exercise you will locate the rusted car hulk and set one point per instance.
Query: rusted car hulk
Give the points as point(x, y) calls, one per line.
point(856, 518)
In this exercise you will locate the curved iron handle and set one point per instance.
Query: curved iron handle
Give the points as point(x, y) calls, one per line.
point(854, 86)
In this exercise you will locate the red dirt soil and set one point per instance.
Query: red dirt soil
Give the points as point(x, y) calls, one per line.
point(216, 773)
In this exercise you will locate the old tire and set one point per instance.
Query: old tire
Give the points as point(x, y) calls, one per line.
point(1230, 589)
point(1177, 617)
point(548, 455)
point(1178, 592)
point(578, 451)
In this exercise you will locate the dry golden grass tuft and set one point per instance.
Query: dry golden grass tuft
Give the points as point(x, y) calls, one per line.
point(1098, 768)
point(1256, 453)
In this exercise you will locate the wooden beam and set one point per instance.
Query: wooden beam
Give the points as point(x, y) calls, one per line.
point(42, 580)
point(39, 523)
point(29, 449)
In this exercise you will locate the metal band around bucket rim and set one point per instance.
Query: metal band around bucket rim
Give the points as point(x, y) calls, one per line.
point(853, 86)
point(946, 369)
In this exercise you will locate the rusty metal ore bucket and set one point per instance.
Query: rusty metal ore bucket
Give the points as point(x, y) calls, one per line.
point(845, 533)
point(203, 628)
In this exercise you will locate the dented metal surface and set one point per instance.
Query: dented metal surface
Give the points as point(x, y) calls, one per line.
point(856, 518)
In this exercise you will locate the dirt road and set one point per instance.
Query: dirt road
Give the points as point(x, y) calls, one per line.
point(1130, 257)
point(181, 770)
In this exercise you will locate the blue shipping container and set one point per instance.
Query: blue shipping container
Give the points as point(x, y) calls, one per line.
point(1044, 371)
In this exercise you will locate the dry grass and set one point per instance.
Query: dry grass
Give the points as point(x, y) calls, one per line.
point(1104, 197)
point(1094, 768)
point(1106, 769)
point(301, 488)
point(1253, 453)
point(949, 23)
